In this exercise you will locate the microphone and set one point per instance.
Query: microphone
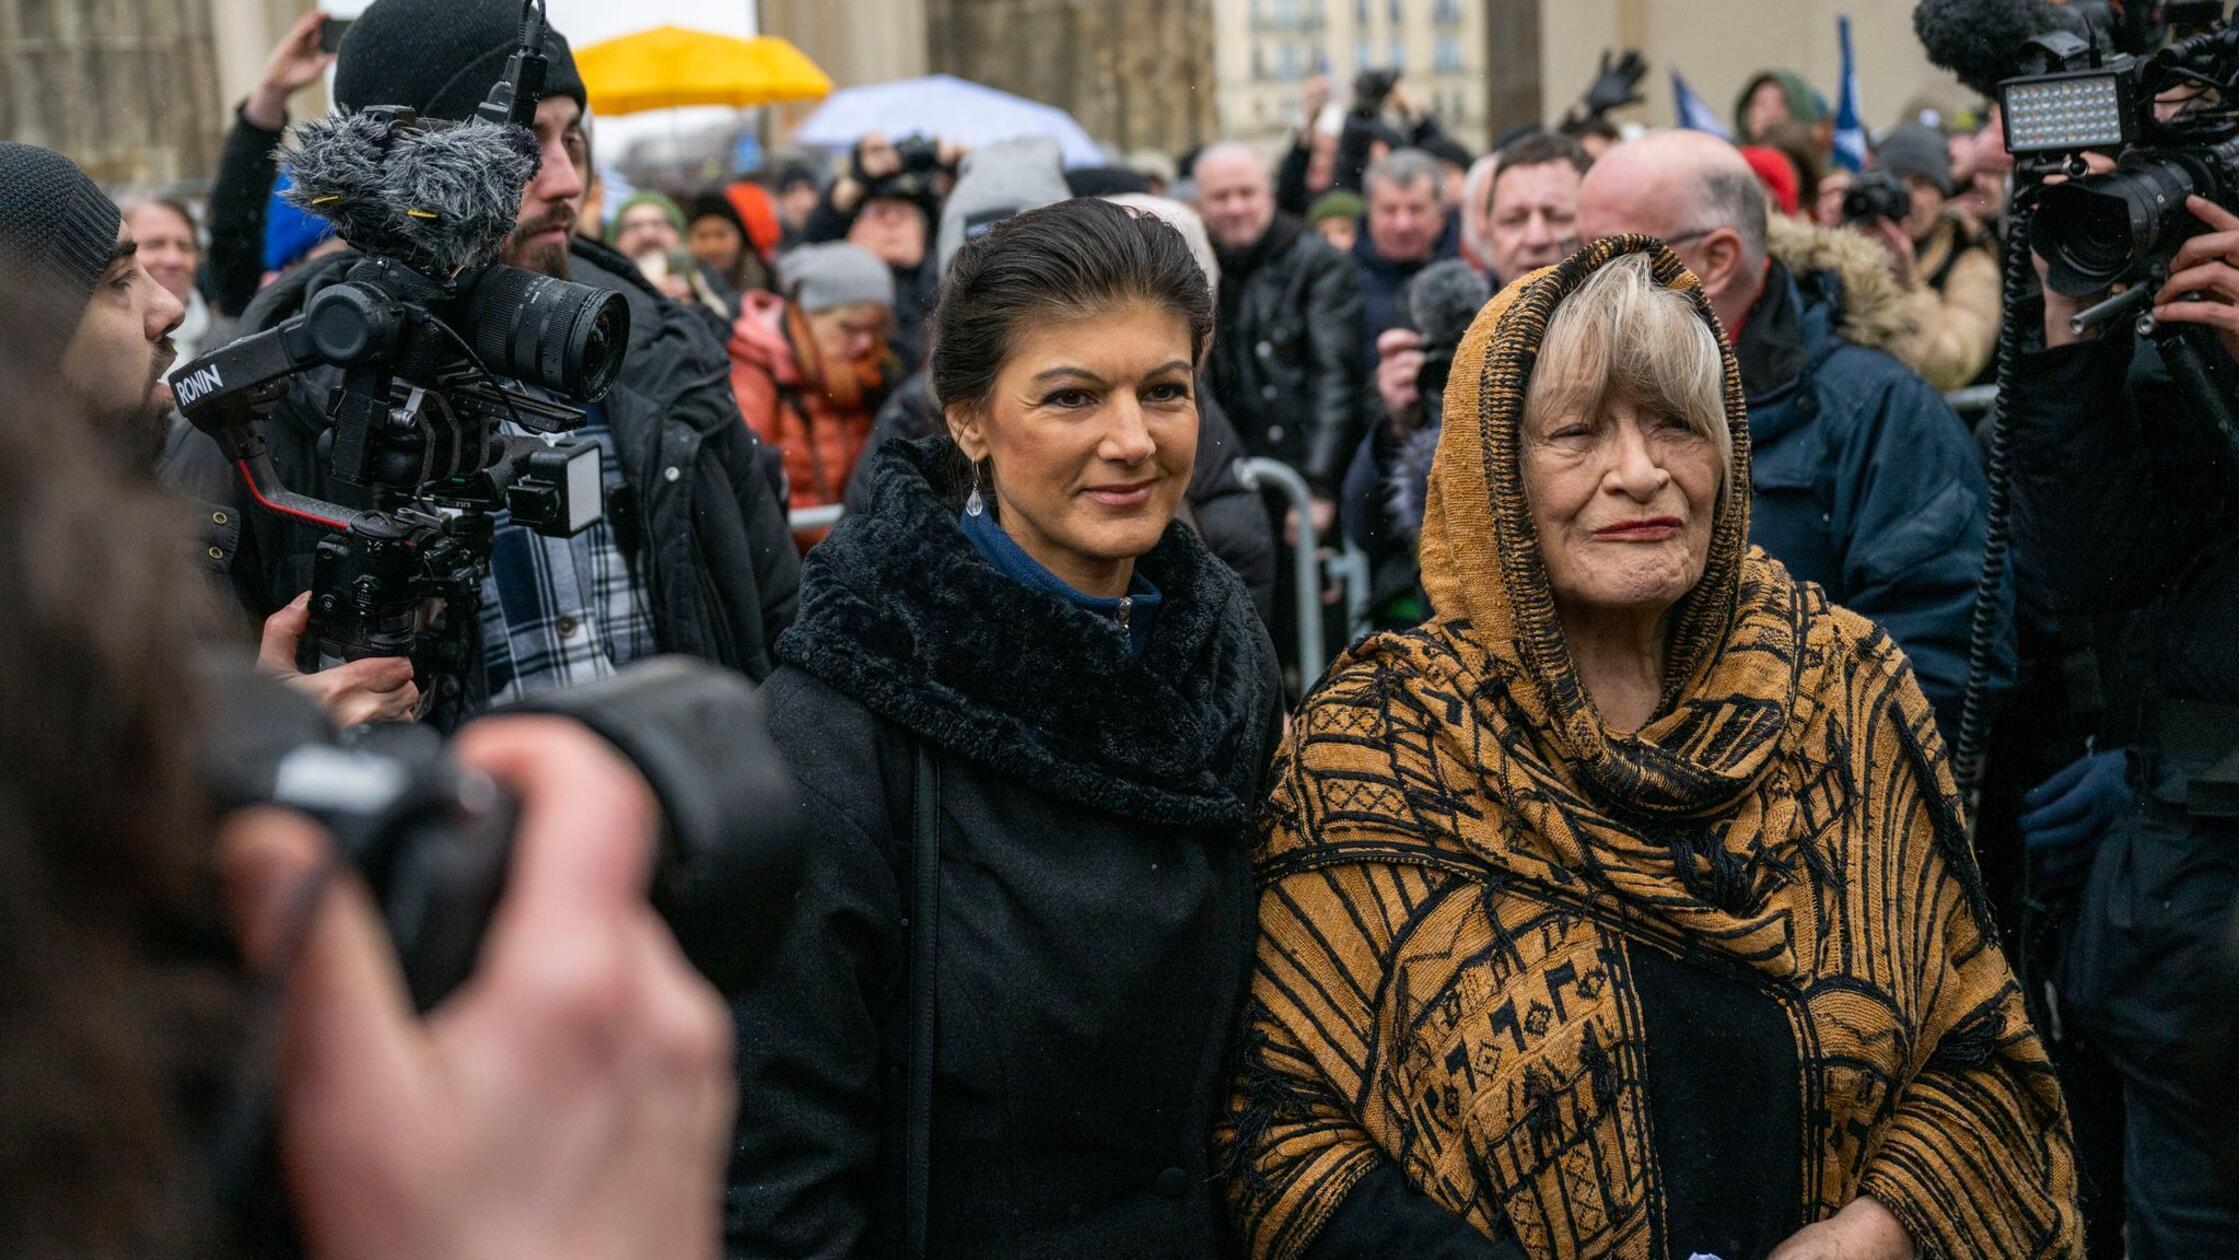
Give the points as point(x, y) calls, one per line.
point(1986, 42)
point(1441, 301)
point(435, 195)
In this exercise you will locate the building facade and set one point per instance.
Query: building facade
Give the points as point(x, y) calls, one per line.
point(1129, 71)
point(138, 92)
point(1266, 51)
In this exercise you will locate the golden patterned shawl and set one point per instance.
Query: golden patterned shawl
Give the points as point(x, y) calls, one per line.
point(1459, 855)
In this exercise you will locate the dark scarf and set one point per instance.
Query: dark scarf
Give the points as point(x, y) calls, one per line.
point(1001, 550)
point(1770, 349)
point(900, 611)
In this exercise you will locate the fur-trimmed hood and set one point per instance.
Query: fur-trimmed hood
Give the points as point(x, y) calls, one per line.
point(900, 612)
point(1856, 276)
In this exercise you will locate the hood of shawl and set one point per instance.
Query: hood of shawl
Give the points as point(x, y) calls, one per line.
point(1733, 646)
point(899, 611)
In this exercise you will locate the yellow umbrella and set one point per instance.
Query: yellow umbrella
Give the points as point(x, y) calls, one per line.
point(670, 66)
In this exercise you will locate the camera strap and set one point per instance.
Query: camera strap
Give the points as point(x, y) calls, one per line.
point(925, 904)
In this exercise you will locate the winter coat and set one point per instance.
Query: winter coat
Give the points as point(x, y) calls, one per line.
point(2125, 512)
point(247, 169)
point(1286, 363)
point(816, 414)
point(704, 520)
point(1383, 282)
point(1953, 305)
point(1866, 483)
point(1094, 912)
point(1221, 504)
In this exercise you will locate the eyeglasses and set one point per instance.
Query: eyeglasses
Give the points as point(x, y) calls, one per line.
point(1685, 237)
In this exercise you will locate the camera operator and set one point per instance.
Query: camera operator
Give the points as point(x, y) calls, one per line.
point(108, 330)
point(693, 556)
point(1946, 263)
point(573, 1099)
point(2124, 516)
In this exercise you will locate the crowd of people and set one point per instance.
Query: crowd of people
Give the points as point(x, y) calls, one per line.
point(1614, 892)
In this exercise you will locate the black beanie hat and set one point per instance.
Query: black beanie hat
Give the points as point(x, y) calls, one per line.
point(57, 229)
point(712, 204)
point(439, 57)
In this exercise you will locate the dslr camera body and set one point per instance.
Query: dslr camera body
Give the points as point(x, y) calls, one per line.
point(1877, 195)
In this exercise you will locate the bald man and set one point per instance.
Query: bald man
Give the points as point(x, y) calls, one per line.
point(1863, 480)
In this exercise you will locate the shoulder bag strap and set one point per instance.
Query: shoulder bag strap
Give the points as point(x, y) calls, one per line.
point(925, 896)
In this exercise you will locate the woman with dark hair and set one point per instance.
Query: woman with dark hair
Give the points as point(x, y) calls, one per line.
point(1033, 713)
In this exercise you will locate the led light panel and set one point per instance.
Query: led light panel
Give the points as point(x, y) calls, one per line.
point(2080, 112)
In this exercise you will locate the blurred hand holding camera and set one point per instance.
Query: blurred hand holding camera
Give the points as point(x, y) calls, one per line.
point(1399, 361)
point(572, 1098)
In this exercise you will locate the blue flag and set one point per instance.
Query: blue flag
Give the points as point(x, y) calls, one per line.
point(1694, 112)
point(1850, 128)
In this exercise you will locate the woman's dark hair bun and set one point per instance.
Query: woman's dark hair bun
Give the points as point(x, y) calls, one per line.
point(1066, 259)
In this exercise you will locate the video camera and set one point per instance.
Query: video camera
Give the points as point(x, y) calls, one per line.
point(438, 345)
point(1440, 303)
point(2170, 118)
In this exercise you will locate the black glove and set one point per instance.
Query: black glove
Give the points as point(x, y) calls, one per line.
point(1616, 86)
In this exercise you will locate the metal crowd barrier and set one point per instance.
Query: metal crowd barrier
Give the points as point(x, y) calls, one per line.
point(1349, 568)
point(1306, 561)
point(805, 519)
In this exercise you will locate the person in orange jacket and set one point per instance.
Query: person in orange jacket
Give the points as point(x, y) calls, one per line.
point(811, 366)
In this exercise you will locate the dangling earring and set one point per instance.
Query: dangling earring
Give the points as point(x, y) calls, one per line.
point(974, 505)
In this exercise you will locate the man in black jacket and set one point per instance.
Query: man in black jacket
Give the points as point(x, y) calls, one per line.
point(2125, 512)
point(1286, 355)
point(694, 555)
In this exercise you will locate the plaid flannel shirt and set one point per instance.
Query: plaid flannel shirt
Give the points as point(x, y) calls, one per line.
point(562, 611)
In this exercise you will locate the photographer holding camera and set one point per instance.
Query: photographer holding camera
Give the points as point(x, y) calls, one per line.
point(693, 555)
point(573, 1099)
point(1946, 263)
point(889, 202)
point(2124, 519)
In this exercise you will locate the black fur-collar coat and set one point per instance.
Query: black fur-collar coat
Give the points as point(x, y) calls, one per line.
point(1096, 906)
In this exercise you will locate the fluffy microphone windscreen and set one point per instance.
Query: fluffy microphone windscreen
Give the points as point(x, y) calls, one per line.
point(439, 197)
point(1981, 41)
point(1443, 298)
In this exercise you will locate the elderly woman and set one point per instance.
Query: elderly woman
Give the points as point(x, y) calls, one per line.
point(1625, 908)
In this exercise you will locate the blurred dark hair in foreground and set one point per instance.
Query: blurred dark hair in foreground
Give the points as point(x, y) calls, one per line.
point(124, 1008)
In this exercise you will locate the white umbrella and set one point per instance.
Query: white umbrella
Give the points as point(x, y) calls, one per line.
point(943, 106)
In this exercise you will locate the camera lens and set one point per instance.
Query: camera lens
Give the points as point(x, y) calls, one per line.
point(2098, 229)
point(566, 337)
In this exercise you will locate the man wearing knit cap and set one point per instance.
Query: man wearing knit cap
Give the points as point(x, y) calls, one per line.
point(1946, 262)
point(66, 242)
point(694, 554)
